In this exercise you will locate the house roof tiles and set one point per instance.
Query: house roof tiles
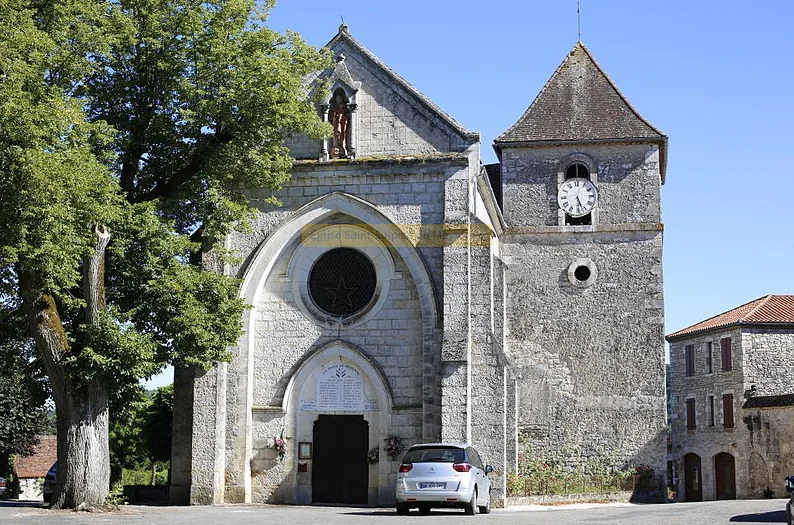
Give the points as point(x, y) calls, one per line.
point(37, 464)
point(770, 309)
point(785, 400)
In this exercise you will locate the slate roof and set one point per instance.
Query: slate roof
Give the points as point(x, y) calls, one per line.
point(770, 309)
point(785, 400)
point(580, 103)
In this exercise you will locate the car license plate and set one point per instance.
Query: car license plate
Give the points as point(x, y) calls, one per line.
point(432, 485)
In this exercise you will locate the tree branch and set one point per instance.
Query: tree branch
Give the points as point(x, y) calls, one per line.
point(94, 276)
point(198, 158)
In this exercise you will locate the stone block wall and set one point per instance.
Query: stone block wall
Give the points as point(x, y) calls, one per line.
point(628, 183)
point(707, 439)
point(590, 359)
point(395, 338)
point(392, 338)
point(767, 359)
point(770, 449)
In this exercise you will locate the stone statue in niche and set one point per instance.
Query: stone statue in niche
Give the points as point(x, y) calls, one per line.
point(340, 119)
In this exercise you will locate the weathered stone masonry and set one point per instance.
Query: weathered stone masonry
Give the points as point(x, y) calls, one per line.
point(491, 316)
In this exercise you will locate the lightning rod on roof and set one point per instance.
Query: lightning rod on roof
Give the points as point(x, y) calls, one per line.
point(578, 22)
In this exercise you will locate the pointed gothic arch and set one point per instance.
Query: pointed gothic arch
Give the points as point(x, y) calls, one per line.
point(278, 244)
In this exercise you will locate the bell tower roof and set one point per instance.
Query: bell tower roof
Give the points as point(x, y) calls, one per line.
point(580, 103)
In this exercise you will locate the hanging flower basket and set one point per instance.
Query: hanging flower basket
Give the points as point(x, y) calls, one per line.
point(393, 447)
point(280, 444)
point(373, 455)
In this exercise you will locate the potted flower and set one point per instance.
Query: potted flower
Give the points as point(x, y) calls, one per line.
point(280, 444)
point(393, 447)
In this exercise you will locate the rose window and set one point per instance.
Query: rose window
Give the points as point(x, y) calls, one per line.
point(342, 282)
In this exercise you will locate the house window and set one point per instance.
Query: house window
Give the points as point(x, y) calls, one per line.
point(725, 345)
point(727, 410)
point(709, 358)
point(689, 358)
point(690, 414)
point(711, 411)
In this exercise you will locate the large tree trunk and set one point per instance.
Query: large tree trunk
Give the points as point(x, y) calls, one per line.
point(81, 407)
point(83, 454)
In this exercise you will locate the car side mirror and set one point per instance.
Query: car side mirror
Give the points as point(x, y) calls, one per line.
point(790, 484)
point(488, 469)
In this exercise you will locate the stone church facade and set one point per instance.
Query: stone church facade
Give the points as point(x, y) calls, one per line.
point(403, 289)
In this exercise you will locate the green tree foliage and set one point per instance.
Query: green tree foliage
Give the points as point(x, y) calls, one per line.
point(23, 389)
point(140, 432)
point(125, 127)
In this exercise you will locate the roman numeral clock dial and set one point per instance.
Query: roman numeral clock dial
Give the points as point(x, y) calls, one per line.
point(577, 197)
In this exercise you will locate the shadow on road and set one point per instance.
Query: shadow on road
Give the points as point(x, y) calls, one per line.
point(413, 513)
point(778, 516)
point(22, 503)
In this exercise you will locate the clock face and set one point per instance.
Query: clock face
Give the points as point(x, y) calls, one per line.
point(577, 197)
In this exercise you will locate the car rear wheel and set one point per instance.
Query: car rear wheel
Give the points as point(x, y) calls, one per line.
point(402, 509)
point(471, 506)
point(486, 509)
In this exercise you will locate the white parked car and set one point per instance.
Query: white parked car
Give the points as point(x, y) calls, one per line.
point(443, 475)
point(790, 504)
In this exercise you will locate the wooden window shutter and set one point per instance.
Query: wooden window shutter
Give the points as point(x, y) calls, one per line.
point(727, 410)
point(727, 364)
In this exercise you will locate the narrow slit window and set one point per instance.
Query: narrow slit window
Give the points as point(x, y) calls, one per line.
point(690, 414)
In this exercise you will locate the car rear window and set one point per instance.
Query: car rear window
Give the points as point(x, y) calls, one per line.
point(435, 455)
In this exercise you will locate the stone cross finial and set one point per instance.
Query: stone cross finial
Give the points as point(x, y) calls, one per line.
point(343, 28)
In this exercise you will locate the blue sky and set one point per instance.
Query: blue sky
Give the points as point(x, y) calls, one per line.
point(715, 76)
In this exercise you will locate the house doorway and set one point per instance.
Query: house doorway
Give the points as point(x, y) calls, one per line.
point(725, 474)
point(693, 488)
point(340, 473)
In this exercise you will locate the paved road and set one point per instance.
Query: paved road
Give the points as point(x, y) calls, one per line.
point(707, 513)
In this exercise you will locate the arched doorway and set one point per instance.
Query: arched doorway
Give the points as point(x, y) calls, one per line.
point(341, 472)
point(693, 487)
point(725, 475)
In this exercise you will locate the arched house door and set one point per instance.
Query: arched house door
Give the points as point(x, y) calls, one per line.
point(693, 481)
point(725, 476)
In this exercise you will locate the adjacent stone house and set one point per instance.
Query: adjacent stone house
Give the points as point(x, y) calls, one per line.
point(732, 402)
point(30, 470)
point(404, 290)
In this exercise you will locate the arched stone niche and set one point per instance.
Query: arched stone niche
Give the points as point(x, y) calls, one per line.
point(337, 380)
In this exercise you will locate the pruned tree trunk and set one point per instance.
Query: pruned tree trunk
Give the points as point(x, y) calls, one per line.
point(81, 407)
point(83, 451)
